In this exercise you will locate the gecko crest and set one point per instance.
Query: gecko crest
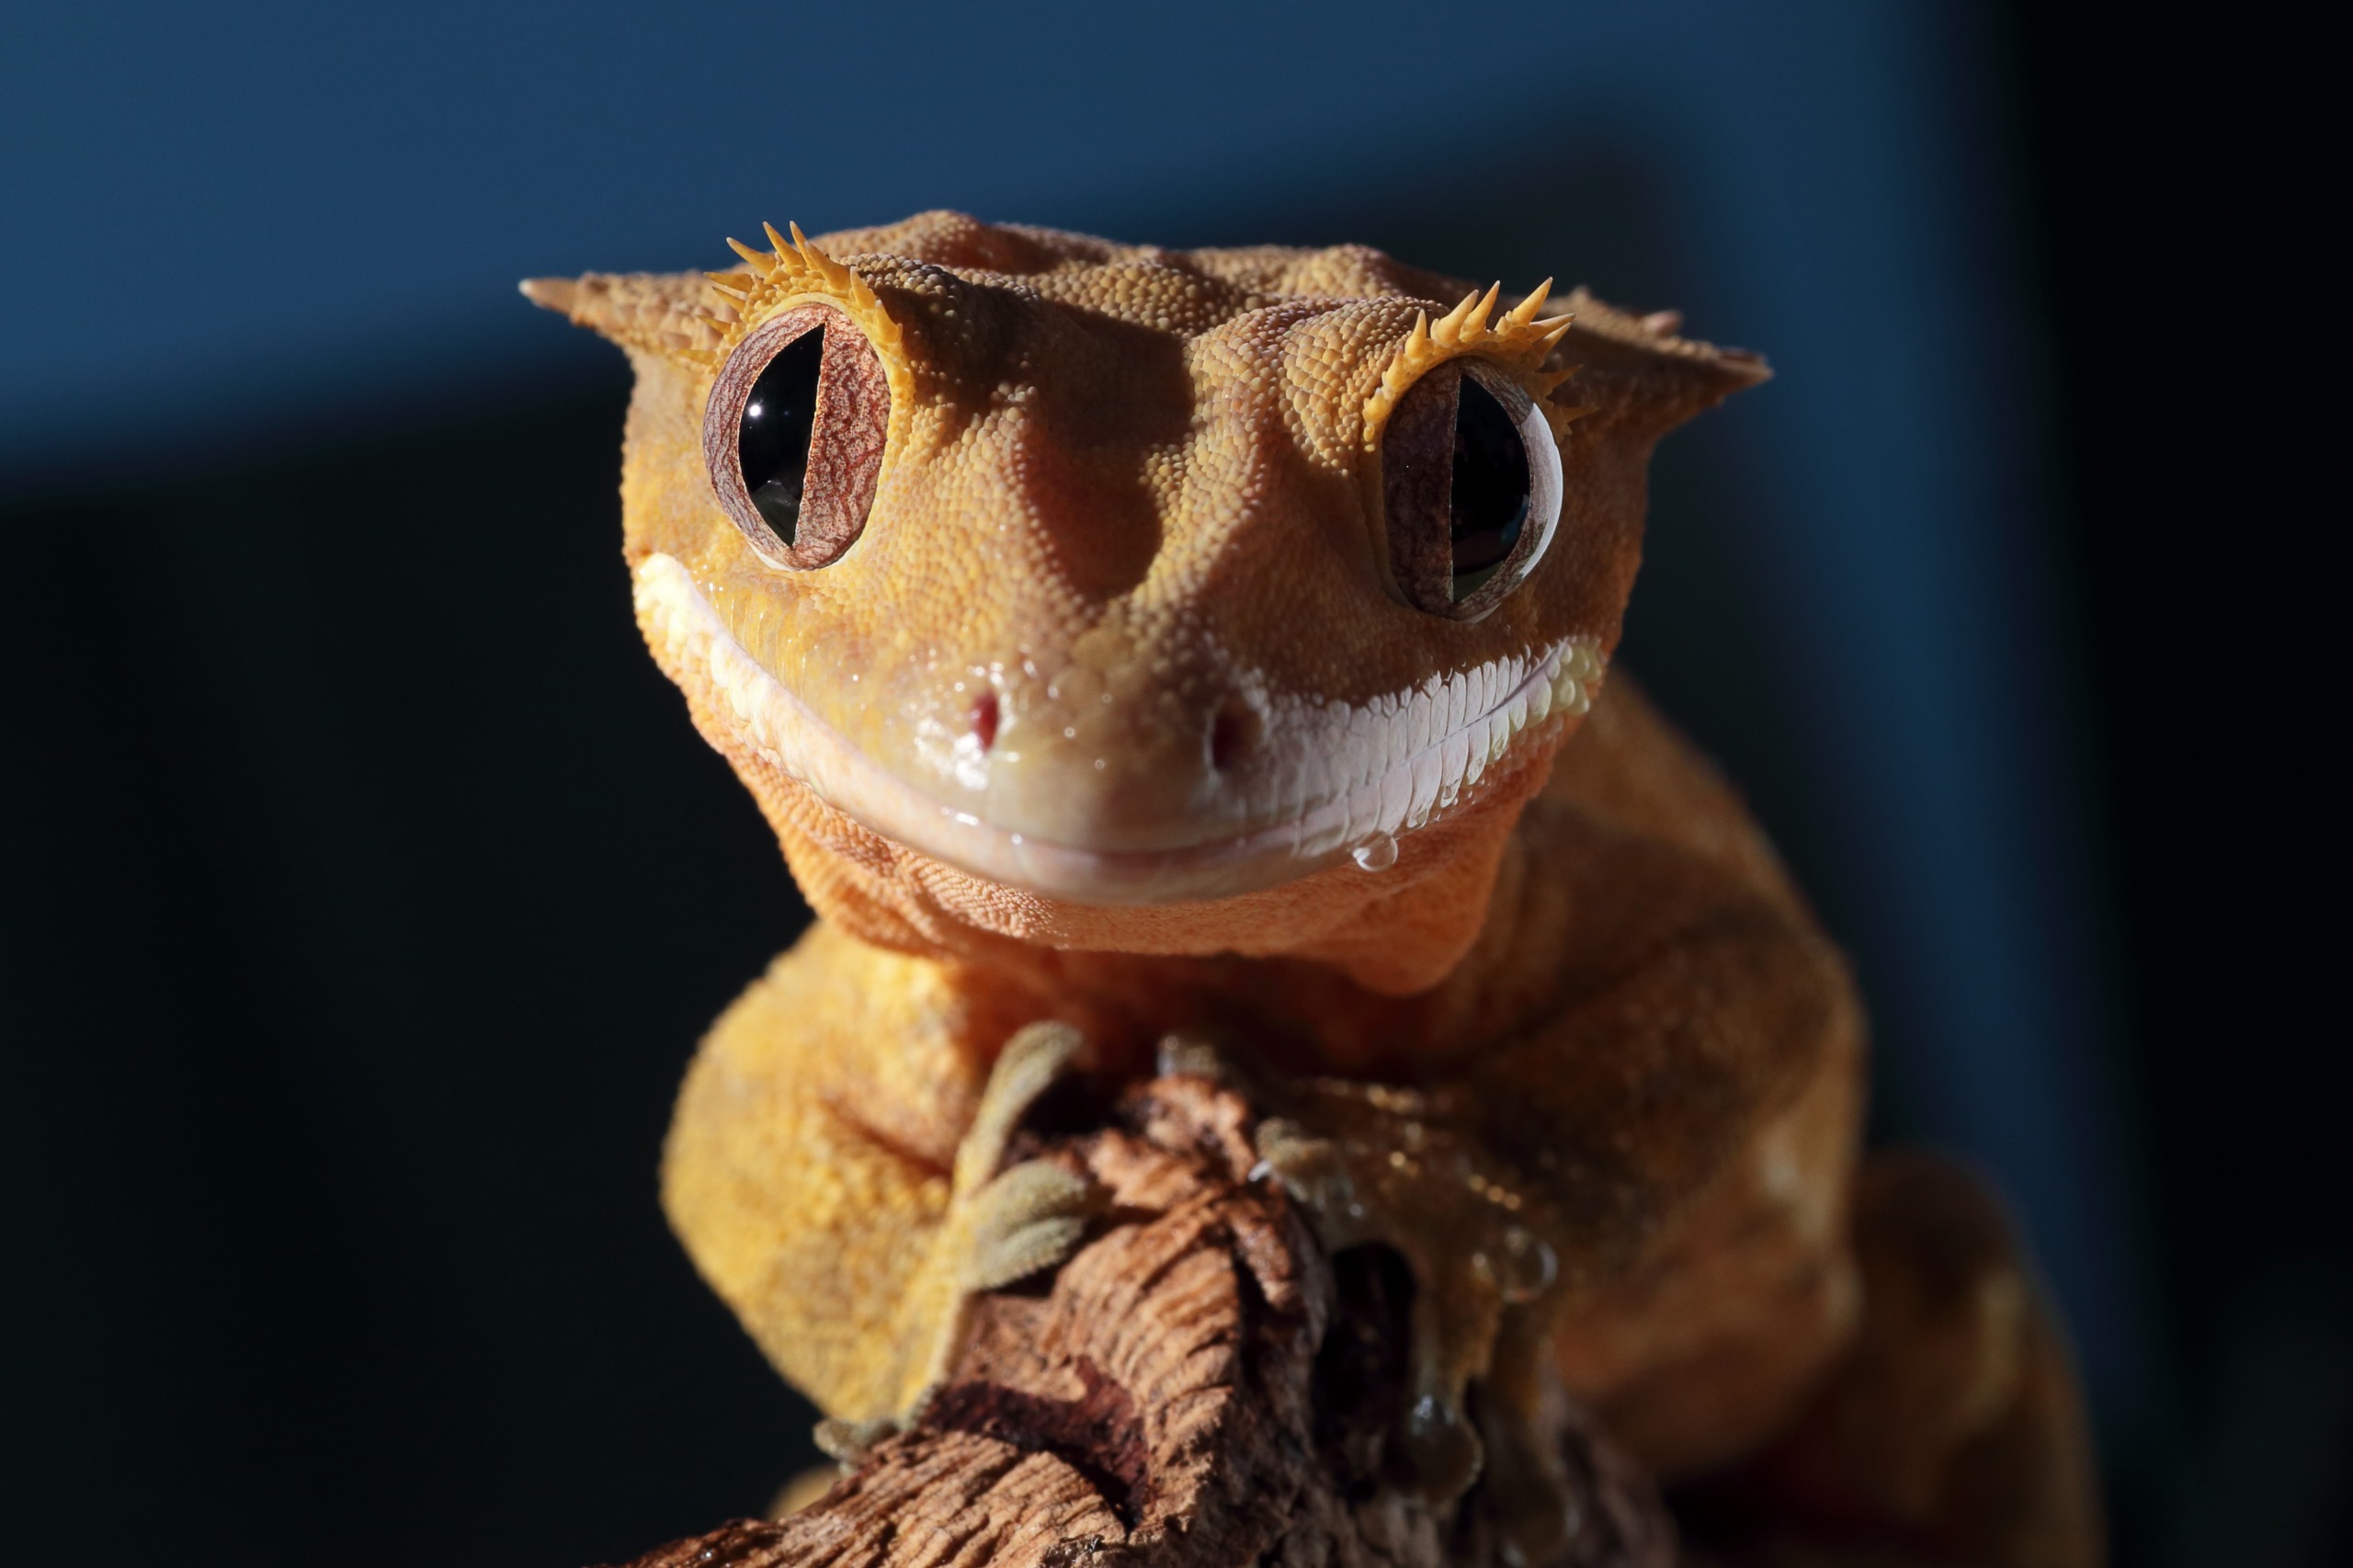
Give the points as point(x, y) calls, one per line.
point(792, 269)
point(1518, 341)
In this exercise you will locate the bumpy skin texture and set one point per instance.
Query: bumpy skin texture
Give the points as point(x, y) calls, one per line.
point(1132, 499)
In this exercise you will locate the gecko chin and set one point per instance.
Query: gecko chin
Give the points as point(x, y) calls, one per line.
point(1360, 777)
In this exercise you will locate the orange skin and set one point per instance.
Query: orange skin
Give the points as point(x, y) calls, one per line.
point(1158, 475)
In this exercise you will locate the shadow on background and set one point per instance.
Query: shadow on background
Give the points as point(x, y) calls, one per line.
point(370, 890)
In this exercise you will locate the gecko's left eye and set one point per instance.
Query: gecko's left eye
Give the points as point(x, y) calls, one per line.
point(1470, 489)
point(793, 435)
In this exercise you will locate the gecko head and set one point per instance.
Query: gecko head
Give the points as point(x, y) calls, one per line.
point(1117, 596)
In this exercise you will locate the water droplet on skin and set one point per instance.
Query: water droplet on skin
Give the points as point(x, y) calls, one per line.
point(1528, 1266)
point(1375, 854)
point(1443, 1452)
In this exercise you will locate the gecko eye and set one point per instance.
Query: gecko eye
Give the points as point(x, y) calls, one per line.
point(1470, 488)
point(793, 435)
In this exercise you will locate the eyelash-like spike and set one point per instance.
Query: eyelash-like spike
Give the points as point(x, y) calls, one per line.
point(1447, 329)
point(1523, 316)
point(1517, 340)
point(760, 261)
point(832, 271)
point(1474, 327)
point(794, 267)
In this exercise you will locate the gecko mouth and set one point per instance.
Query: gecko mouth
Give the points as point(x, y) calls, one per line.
point(1396, 789)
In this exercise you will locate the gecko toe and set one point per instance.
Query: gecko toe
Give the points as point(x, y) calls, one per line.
point(1028, 1218)
point(1032, 1062)
point(846, 1442)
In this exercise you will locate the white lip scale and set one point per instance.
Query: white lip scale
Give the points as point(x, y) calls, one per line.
point(1356, 777)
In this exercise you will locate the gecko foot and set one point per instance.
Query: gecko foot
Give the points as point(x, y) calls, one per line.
point(1001, 1226)
point(1012, 1223)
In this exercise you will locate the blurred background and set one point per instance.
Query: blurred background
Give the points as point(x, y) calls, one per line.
point(367, 891)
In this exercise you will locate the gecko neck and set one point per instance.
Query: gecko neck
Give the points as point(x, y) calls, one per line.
point(1299, 1012)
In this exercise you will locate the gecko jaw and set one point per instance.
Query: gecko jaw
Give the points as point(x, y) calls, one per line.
point(1365, 815)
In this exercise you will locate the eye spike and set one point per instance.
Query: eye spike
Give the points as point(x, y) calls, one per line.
point(1559, 330)
point(1524, 313)
point(760, 261)
point(795, 266)
point(1410, 359)
point(1474, 326)
point(825, 267)
point(1447, 327)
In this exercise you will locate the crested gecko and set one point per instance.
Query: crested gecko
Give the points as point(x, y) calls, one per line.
point(1148, 656)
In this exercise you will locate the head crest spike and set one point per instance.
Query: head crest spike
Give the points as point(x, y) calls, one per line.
point(1516, 340)
point(825, 265)
point(809, 252)
point(1524, 312)
point(1448, 328)
point(761, 262)
point(1550, 380)
point(1474, 326)
point(795, 267)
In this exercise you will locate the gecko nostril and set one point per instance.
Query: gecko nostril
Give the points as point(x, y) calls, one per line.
point(984, 716)
point(1233, 732)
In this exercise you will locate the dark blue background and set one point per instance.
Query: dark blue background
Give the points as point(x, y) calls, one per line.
point(359, 846)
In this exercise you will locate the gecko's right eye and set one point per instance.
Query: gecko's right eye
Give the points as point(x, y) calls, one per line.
point(1470, 489)
point(793, 435)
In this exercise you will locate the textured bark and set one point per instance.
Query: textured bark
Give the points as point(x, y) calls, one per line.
point(1175, 1399)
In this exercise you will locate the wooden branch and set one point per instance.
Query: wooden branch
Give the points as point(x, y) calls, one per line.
point(1174, 1400)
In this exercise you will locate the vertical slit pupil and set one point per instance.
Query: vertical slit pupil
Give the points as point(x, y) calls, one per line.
point(1491, 484)
point(780, 417)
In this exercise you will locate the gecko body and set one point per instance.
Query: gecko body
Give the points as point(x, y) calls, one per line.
point(1140, 650)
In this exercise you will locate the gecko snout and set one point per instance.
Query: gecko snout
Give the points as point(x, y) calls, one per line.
point(987, 713)
point(1095, 757)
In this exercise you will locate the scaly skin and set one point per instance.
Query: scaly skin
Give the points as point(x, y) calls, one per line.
point(1039, 743)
